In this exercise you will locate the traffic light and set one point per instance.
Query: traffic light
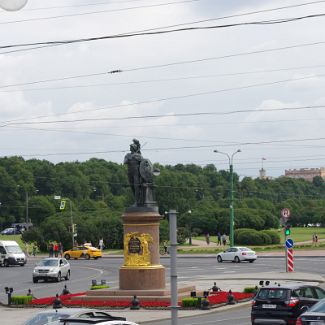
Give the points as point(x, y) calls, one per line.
point(62, 205)
point(74, 228)
point(287, 230)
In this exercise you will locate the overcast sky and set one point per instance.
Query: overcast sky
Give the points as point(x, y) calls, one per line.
point(164, 79)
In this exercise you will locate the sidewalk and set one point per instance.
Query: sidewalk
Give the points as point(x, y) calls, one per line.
point(235, 282)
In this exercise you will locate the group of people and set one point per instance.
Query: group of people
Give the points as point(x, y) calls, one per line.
point(222, 240)
point(55, 249)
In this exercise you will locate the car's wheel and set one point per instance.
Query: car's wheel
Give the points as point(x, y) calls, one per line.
point(6, 263)
point(67, 256)
point(67, 277)
point(87, 256)
point(58, 279)
point(237, 259)
point(219, 259)
point(251, 261)
point(35, 280)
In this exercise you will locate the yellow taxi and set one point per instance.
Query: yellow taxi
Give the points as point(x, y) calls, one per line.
point(83, 251)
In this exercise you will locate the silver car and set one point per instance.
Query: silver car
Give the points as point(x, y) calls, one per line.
point(53, 317)
point(52, 268)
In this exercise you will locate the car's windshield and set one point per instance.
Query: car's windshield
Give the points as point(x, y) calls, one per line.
point(48, 263)
point(13, 249)
point(45, 318)
point(319, 307)
point(269, 293)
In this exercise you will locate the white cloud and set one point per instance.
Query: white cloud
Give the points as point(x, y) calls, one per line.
point(143, 51)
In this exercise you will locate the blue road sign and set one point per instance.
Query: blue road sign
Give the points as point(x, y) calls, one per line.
point(289, 243)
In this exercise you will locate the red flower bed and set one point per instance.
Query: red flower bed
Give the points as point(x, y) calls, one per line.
point(49, 300)
point(214, 298)
point(221, 297)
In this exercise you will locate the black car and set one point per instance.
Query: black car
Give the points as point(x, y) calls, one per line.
point(313, 316)
point(283, 304)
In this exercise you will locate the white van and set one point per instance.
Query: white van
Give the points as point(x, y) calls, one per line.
point(11, 253)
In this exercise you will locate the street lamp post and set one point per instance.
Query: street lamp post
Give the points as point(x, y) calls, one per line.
point(231, 194)
point(190, 228)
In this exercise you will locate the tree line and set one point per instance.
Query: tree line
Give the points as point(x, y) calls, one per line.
point(98, 192)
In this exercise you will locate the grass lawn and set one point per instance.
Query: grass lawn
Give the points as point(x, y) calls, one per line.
point(301, 234)
point(16, 238)
point(298, 234)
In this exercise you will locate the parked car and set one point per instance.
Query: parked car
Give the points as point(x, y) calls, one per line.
point(10, 231)
point(283, 304)
point(53, 317)
point(84, 251)
point(315, 315)
point(237, 254)
point(52, 268)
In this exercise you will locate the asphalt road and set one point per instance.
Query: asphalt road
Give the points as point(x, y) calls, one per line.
point(189, 268)
point(236, 316)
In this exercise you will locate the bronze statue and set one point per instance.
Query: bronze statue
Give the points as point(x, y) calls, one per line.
point(140, 175)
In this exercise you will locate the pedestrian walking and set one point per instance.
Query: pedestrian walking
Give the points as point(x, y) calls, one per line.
point(219, 238)
point(34, 249)
point(207, 238)
point(56, 249)
point(61, 249)
point(165, 247)
point(51, 250)
point(27, 249)
point(224, 239)
point(101, 244)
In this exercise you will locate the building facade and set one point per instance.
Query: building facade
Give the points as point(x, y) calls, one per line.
point(306, 173)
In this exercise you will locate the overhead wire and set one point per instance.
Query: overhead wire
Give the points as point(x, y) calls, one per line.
point(134, 82)
point(97, 12)
point(170, 64)
point(21, 121)
point(159, 32)
point(217, 144)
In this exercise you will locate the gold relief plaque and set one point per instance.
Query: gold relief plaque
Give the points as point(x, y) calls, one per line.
point(136, 249)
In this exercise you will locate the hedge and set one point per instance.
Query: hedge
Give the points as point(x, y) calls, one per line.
point(99, 286)
point(191, 302)
point(246, 236)
point(21, 300)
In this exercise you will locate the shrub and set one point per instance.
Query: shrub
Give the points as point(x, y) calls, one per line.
point(191, 302)
point(249, 237)
point(275, 238)
point(250, 290)
point(99, 286)
point(267, 240)
point(21, 300)
point(246, 236)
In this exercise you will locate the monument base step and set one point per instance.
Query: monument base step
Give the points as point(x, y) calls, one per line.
point(144, 295)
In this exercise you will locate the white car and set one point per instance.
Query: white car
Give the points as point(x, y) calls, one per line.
point(237, 254)
point(52, 268)
point(55, 317)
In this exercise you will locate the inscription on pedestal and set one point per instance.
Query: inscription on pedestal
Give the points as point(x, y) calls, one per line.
point(136, 249)
point(135, 246)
